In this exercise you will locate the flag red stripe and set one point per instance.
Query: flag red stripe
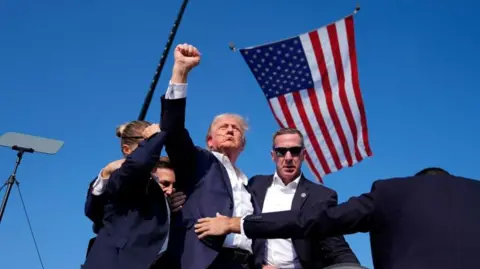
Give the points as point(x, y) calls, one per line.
point(355, 82)
point(337, 58)
point(291, 124)
point(312, 94)
point(313, 168)
point(310, 133)
point(275, 115)
point(319, 55)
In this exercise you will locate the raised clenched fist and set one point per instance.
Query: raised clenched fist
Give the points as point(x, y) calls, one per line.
point(186, 57)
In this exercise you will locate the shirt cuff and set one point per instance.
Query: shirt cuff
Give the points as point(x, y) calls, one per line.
point(176, 90)
point(242, 231)
point(100, 184)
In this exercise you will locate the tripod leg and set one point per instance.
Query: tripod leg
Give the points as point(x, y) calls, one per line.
point(11, 180)
point(4, 184)
point(28, 221)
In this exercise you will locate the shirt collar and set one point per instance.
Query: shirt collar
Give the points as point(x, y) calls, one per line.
point(292, 185)
point(222, 157)
point(226, 162)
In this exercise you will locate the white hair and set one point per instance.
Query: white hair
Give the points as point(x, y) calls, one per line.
point(241, 120)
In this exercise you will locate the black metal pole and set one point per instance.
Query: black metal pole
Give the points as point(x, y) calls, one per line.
point(13, 178)
point(153, 85)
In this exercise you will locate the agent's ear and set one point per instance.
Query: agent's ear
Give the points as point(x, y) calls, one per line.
point(273, 155)
point(302, 154)
point(126, 149)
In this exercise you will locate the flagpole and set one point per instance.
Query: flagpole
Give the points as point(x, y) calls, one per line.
point(232, 47)
point(357, 9)
point(153, 84)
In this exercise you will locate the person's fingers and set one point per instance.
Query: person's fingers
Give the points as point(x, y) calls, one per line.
point(196, 52)
point(176, 204)
point(176, 194)
point(203, 235)
point(204, 220)
point(190, 50)
point(201, 228)
point(177, 209)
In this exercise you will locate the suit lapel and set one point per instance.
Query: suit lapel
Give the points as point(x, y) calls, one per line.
point(226, 178)
point(255, 203)
point(261, 192)
point(301, 194)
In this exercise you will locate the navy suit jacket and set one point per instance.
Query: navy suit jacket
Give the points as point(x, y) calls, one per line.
point(94, 209)
point(312, 253)
point(134, 214)
point(205, 181)
point(415, 223)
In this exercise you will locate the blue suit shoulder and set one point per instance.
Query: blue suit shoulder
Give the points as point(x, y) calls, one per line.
point(255, 180)
point(417, 183)
point(319, 189)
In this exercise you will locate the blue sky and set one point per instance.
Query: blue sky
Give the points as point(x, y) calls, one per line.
point(74, 70)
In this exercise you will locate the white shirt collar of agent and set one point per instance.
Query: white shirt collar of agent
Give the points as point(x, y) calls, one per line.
point(292, 185)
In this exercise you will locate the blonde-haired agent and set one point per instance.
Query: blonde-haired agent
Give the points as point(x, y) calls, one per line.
point(135, 215)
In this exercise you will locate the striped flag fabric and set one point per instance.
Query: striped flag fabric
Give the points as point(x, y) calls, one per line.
point(311, 83)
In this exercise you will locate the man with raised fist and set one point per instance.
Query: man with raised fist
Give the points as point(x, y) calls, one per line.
point(213, 184)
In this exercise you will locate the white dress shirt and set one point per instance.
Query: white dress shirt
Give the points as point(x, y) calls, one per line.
point(280, 253)
point(242, 203)
point(99, 185)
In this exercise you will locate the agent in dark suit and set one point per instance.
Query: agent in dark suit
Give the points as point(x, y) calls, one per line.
point(288, 189)
point(135, 215)
point(96, 197)
point(209, 178)
point(95, 209)
point(425, 221)
point(95, 228)
point(163, 173)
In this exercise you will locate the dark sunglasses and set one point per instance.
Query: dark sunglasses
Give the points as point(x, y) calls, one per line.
point(281, 152)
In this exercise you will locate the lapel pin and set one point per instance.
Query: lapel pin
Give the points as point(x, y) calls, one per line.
point(303, 195)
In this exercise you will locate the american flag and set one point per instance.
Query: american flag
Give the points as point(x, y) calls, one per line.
point(311, 83)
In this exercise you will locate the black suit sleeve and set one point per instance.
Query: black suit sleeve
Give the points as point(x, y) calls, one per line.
point(355, 215)
point(134, 173)
point(94, 205)
point(179, 146)
point(336, 249)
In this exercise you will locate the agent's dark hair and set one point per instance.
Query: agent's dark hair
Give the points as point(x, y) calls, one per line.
point(284, 131)
point(432, 171)
point(164, 162)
